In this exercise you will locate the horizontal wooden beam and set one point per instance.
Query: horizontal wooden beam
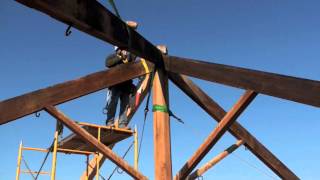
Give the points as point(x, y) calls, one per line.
point(216, 134)
point(199, 172)
point(29, 103)
point(217, 112)
point(83, 134)
point(93, 18)
point(291, 88)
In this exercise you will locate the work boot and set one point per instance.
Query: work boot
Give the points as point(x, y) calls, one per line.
point(110, 123)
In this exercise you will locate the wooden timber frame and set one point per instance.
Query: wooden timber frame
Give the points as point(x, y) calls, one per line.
point(93, 18)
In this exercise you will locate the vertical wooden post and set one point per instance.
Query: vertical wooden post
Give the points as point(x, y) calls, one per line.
point(54, 155)
point(19, 161)
point(161, 127)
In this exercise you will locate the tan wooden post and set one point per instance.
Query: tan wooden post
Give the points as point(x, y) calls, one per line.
point(161, 127)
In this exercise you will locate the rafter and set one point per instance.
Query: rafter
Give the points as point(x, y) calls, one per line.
point(29, 103)
point(93, 18)
point(217, 112)
point(216, 134)
point(291, 88)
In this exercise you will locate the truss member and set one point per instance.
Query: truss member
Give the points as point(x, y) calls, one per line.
point(122, 91)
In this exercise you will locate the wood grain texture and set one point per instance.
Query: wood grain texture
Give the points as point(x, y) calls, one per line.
point(93, 18)
point(161, 128)
point(199, 172)
point(217, 113)
point(216, 134)
point(290, 88)
point(29, 103)
point(94, 142)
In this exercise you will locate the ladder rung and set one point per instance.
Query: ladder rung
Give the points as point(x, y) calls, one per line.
point(35, 172)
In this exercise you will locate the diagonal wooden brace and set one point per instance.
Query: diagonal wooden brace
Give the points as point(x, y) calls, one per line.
point(216, 134)
point(199, 172)
point(217, 113)
point(94, 142)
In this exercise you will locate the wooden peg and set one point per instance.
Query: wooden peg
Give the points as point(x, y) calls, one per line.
point(163, 49)
point(132, 24)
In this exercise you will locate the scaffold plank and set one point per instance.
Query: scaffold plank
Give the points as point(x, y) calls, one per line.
point(108, 137)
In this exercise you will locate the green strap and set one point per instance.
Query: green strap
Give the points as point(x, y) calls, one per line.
point(160, 108)
point(164, 109)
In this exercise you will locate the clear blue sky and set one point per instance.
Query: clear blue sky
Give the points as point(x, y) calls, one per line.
point(274, 36)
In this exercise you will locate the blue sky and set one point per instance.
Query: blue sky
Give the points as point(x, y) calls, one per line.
point(274, 36)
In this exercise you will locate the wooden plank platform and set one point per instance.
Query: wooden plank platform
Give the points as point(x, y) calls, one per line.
point(109, 136)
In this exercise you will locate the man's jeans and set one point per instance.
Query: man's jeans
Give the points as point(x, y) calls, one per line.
point(116, 94)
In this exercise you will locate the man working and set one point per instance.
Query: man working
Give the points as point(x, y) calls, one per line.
point(121, 91)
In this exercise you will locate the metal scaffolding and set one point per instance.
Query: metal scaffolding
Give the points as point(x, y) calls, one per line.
point(77, 147)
